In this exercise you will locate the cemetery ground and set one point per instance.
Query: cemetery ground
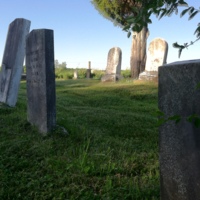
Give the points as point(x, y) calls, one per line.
point(110, 151)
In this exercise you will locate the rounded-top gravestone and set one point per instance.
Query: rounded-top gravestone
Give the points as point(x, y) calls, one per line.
point(157, 54)
point(113, 68)
point(156, 57)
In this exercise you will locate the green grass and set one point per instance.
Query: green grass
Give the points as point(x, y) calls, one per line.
point(111, 151)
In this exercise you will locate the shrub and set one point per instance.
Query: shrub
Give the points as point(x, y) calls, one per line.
point(97, 74)
point(126, 73)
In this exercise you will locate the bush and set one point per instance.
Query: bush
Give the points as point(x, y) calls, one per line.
point(68, 73)
point(82, 73)
point(126, 73)
point(97, 74)
point(64, 73)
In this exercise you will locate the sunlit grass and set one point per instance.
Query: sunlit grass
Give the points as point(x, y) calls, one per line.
point(111, 151)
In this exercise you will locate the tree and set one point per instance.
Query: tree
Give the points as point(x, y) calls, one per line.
point(161, 8)
point(118, 11)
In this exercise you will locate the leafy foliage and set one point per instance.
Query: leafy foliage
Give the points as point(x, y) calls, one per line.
point(133, 15)
point(161, 8)
point(194, 118)
point(117, 10)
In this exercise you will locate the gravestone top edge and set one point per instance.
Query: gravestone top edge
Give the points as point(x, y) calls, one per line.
point(16, 19)
point(115, 48)
point(158, 38)
point(182, 62)
point(40, 29)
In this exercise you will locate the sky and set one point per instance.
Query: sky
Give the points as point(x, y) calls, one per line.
point(81, 34)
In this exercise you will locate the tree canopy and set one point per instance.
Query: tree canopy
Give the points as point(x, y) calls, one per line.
point(116, 10)
point(161, 8)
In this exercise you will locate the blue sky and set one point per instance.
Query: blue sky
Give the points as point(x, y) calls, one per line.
point(81, 34)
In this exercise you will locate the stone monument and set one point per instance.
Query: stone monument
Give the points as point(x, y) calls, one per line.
point(88, 72)
point(41, 97)
point(156, 57)
point(12, 63)
point(75, 74)
point(113, 69)
point(179, 143)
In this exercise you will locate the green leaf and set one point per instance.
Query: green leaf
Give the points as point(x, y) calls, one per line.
point(160, 113)
point(192, 15)
point(197, 87)
point(192, 117)
point(179, 52)
point(175, 118)
point(163, 13)
point(129, 34)
point(184, 12)
point(160, 122)
point(191, 10)
point(197, 122)
point(149, 21)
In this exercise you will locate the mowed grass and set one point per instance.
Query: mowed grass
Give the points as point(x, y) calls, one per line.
point(110, 151)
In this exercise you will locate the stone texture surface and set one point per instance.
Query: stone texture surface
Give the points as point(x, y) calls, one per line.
point(13, 58)
point(179, 144)
point(113, 68)
point(40, 79)
point(156, 56)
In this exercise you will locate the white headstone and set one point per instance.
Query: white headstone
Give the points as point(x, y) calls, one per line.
point(12, 63)
point(156, 57)
point(157, 54)
point(113, 68)
point(75, 74)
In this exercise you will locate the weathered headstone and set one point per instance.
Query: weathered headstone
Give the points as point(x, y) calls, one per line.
point(179, 142)
point(156, 57)
point(12, 63)
point(88, 72)
point(41, 79)
point(113, 69)
point(75, 74)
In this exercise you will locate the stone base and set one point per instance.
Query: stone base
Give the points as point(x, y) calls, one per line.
point(111, 77)
point(88, 73)
point(149, 76)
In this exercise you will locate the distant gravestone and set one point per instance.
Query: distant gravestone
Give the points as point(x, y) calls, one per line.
point(113, 69)
point(41, 80)
point(179, 143)
point(88, 72)
point(12, 63)
point(75, 74)
point(156, 57)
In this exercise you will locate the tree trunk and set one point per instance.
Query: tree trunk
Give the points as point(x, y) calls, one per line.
point(138, 52)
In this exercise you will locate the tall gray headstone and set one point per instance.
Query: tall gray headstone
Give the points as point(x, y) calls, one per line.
point(88, 72)
point(179, 143)
point(40, 78)
point(113, 68)
point(156, 57)
point(12, 63)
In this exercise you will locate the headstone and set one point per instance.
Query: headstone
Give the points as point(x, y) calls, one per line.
point(179, 143)
point(156, 57)
point(88, 72)
point(75, 74)
point(12, 63)
point(113, 69)
point(89, 65)
point(40, 77)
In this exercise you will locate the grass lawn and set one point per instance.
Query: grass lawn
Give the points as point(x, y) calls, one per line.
point(111, 151)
